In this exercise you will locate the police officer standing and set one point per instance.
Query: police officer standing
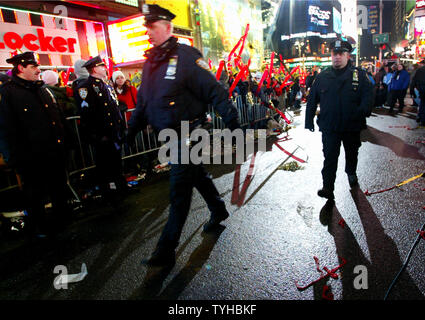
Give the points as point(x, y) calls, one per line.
point(345, 96)
point(34, 129)
point(103, 127)
point(177, 86)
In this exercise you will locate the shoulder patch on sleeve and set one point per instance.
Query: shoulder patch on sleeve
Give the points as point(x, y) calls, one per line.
point(83, 93)
point(203, 64)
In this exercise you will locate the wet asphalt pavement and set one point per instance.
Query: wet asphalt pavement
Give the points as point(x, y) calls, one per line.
point(269, 242)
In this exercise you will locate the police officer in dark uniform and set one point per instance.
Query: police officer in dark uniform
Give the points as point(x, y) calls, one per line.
point(103, 127)
point(34, 128)
point(177, 86)
point(418, 82)
point(345, 95)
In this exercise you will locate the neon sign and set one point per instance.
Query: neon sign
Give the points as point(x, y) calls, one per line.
point(35, 39)
point(318, 16)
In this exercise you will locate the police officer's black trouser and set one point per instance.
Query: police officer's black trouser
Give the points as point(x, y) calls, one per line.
point(331, 147)
point(109, 167)
point(45, 179)
point(183, 177)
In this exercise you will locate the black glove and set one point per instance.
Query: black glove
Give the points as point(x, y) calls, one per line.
point(233, 124)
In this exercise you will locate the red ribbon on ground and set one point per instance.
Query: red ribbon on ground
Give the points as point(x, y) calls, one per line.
point(329, 273)
point(326, 293)
point(289, 154)
point(422, 233)
point(238, 197)
point(280, 113)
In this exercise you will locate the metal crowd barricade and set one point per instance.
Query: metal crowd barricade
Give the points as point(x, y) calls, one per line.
point(251, 113)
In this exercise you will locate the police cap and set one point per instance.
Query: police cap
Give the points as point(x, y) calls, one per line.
point(94, 62)
point(341, 46)
point(154, 12)
point(25, 58)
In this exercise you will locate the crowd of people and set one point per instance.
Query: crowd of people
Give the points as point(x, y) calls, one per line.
point(35, 137)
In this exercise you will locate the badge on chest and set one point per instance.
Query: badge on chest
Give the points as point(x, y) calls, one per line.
point(172, 68)
point(355, 79)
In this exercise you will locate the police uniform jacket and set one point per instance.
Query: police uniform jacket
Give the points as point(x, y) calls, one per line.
point(345, 100)
point(418, 82)
point(177, 85)
point(99, 112)
point(33, 124)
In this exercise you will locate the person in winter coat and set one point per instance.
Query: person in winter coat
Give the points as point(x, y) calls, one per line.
point(398, 87)
point(127, 94)
point(35, 133)
point(63, 94)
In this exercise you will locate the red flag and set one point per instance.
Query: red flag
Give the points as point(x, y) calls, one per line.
point(262, 80)
point(220, 69)
point(244, 39)
point(210, 63)
point(68, 73)
point(271, 70)
point(234, 49)
point(290, 74)
point(238, 77)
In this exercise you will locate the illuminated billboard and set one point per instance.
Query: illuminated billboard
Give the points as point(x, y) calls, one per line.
point(129, 40)
point(58, 41)
point(319, 16)
point(349, 19)
point(223, 23)
point(337, 22)
point(179, 7)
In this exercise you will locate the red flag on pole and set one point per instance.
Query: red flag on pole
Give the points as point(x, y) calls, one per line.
point(238, 77)
point(244, 39)
point(262, 80)
point(220, 69)
point(68, 73)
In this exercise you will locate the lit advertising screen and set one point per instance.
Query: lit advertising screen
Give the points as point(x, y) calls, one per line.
point(129, 40)
point(337, 22)
point(223, 23)
point(419, 26)
point(319, 16)
point(349, 19)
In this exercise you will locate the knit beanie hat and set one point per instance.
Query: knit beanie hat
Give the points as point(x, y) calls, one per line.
point(50, 77)
point(80, 71)
point(116, 74)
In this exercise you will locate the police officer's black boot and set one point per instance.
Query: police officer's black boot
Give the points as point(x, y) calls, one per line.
point(326, 193)
point(353, 181)
point(161, 257)
point(214, 222)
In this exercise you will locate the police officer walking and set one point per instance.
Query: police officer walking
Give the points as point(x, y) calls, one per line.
point(34, 128)
point(345, 96)
point(103, 127)
point(177, 86)
point(418, 82)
